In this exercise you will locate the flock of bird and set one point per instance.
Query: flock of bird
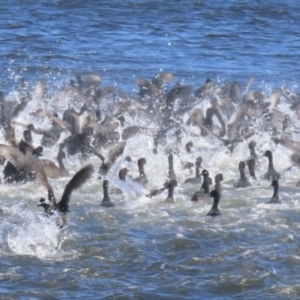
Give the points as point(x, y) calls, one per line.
point(95, 121)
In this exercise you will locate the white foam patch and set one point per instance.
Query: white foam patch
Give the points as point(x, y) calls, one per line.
point(36, 236)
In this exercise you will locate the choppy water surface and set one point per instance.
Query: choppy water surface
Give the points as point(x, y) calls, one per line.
point(143, 248)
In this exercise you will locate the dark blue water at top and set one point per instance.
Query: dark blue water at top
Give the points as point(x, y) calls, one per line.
point(122, 40)
point(145, 250)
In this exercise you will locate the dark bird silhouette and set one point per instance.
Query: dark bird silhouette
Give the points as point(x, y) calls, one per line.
point(171, 172)
point(204, 190)
point(171, 186)
point(271, 174)
point(275, 198)
point(251, 147)
point(214, 211)
point(189, 147)
point(197, 179)
point(243, 181)
point(218, 179)
point(62, 207)
point(251, 164)
point(106, 199)
point(142, 178)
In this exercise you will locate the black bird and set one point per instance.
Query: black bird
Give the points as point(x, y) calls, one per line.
point(251, 147)
point(214, 211)
point(243, 181)
point(275, 198)
point(122, 176)
point(106, 199)
point(218, 179)
point(189, 147)
point(204, 190)
point(197, 179)
point(271, 174)
point(251, 164)
point(142, 178)
point(62, 207)
point(171, 173)
point(171, 186)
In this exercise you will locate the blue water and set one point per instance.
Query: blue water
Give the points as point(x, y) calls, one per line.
point(144, 249)
point(128, 39)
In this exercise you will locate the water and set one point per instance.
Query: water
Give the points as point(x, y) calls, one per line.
point(145, 249)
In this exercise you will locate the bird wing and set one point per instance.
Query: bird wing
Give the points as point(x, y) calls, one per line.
point(61, 123)
point(49, 168)
point(76, 182)
point(116, 152)
point(15, 156)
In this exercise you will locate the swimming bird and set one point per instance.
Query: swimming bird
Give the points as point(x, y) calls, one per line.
point(251, 147)
point(171, 186)
point(243, 181)
point(189, 147)
point(123, 173)
point(218, 179)
point(106, 199)
point(275, 198)
point(204, 190)
point(197, 179)
point(251, 164)
point(271, 173)
point(142, 178)
point(62, 207)
point(171, 172)
point(122, 176)
point(214, 211)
